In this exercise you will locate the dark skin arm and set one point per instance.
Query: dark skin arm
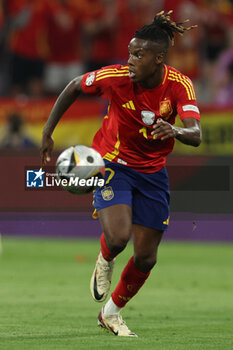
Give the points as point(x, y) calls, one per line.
point(64, 101)
point(190, 134)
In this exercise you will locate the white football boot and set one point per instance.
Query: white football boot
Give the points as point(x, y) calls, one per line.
point(101, 278)
point(115, 324)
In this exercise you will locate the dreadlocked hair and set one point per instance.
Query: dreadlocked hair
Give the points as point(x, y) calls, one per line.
point(162, 29)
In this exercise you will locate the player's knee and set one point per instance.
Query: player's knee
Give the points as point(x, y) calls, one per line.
point(117, 242)
point(146, 262)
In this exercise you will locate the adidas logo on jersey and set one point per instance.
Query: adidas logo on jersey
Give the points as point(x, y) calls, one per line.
point(129, 105)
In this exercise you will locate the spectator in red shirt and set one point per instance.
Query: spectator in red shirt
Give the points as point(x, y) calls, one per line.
point(185, 56)
point(131, 14)
point(99, 31)
point(63, 35)
point(27, 46)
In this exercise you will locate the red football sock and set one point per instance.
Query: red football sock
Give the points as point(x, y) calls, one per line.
point(107, 255)
point(131, 281)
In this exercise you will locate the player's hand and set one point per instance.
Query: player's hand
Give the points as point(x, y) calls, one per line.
point(164, 130)
point(46, 149)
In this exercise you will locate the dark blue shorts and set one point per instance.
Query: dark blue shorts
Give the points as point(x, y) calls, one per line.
point(147, 194)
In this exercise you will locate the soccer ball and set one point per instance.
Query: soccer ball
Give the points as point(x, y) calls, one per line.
point(80, 169)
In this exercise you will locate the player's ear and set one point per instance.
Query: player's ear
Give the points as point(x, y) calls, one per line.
point(159, 58)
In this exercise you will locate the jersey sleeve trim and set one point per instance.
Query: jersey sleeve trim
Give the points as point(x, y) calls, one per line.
point(190, 114)
point(165, 74)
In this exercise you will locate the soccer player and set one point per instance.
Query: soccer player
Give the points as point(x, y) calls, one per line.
point(136, 136)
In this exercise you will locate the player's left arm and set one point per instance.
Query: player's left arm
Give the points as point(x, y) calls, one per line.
point(190, 134)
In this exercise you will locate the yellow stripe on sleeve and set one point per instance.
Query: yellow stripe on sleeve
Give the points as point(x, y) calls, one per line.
point(191, 86)
point(187, 81)
point(112, 70)
point(187, 90)
point(184, 82)
point(112, 75)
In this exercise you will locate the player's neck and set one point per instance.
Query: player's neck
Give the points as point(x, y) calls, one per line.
point(155, 80)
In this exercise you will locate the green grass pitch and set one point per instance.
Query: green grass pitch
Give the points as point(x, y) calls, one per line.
point(45, 303)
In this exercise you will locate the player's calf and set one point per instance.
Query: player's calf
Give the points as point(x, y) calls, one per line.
point(145, 263)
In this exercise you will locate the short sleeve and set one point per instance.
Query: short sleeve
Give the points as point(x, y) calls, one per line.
point(100, 82)
point(91, 86)
point(186, 100)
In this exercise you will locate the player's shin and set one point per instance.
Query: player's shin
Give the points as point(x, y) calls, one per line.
point(131, 281)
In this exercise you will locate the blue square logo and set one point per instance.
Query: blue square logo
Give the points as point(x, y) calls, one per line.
point(35, 178)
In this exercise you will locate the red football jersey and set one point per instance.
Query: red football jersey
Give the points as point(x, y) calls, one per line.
point(125, 135)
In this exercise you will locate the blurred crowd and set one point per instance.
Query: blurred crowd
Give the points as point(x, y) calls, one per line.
point(46, 43)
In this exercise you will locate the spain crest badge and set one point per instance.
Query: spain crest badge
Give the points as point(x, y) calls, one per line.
point(107, 193)
point(165, 108)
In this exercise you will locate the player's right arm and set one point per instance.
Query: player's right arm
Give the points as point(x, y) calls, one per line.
point(96, 83)
point(64, 101)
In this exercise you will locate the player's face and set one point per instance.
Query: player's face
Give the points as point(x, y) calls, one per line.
point(144, 62)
